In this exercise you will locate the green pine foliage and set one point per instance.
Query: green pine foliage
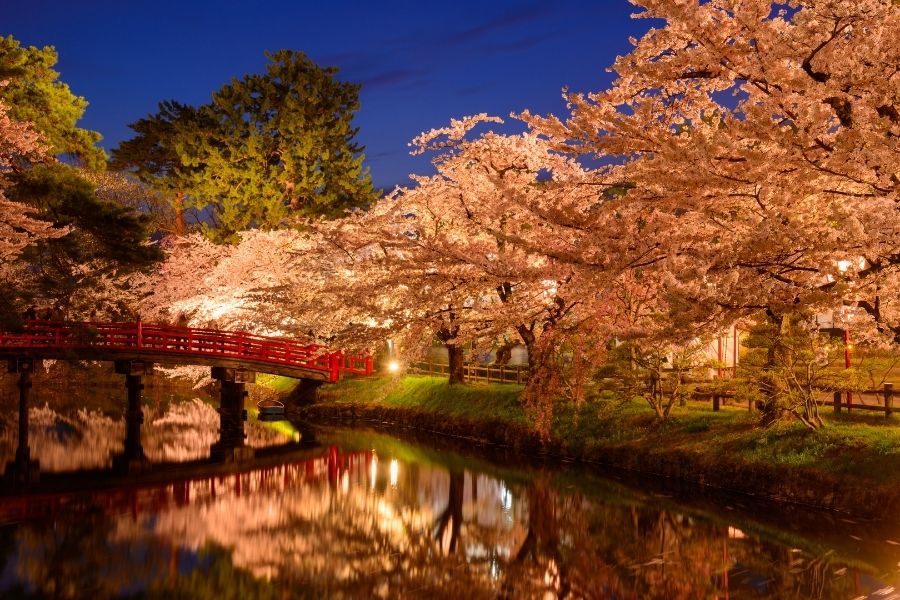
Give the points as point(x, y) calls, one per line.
point(267, 148)
point(107, 240)
point(151, 156)
point(34, 93)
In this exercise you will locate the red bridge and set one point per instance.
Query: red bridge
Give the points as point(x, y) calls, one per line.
point(168, 344)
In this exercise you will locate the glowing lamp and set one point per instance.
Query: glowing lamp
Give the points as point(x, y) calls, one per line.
point(393, 367)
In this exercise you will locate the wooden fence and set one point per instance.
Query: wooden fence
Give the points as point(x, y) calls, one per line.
point(839, 399)
point(519, 374)
point(475, 372)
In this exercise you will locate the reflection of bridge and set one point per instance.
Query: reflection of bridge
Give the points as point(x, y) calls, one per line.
point(179, 484)
point(235, 358)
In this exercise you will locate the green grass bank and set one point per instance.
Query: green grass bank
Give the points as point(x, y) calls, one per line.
point(851, 466)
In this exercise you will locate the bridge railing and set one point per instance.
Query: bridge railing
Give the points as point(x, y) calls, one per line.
point(171, 339)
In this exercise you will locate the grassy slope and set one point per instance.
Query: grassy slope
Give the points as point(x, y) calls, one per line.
point(276, 382)
point(432, 394)
point(866, 446)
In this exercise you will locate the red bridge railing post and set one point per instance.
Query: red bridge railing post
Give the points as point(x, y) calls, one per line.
point(334, 366)
point(370, 367)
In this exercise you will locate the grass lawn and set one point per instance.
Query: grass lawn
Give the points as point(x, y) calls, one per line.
point(276, 382)
point(863, 445)
point(867, 446)
point(432, 394)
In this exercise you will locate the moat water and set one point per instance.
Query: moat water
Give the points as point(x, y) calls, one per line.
point(360, 514)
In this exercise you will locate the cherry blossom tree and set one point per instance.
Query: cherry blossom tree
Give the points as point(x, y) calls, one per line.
point(211, 283)
point(460, 252)
point(20, 144)
point(284, 282)
point(484, 249)
point(483, 208)
point(440, 259)
point(757, 144)
point(102, 239)
point(767, 137)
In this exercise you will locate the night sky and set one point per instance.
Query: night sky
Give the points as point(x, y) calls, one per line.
point(420, 63)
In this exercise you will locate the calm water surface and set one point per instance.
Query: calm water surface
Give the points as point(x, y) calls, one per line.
point(360, 514)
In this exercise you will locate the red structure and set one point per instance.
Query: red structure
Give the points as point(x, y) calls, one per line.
point(172, 344)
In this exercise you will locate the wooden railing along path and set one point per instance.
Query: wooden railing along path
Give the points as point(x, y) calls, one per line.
point(840, 399)
point(475, 372)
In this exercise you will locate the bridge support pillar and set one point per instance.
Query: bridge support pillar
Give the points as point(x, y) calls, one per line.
point(232, 391)
point(23, 470)
point(306, 392)
point(132, 459)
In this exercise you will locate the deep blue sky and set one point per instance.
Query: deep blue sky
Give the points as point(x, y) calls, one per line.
point(420, 63)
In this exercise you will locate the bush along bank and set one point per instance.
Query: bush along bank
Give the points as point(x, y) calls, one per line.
point(851, 466)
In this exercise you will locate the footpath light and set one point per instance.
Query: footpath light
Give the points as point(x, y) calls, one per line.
point(393, 366)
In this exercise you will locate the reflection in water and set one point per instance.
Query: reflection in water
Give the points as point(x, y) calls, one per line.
point(370, 516)
point(89, 439)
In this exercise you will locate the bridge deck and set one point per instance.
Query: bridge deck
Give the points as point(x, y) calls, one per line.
point(168, 344)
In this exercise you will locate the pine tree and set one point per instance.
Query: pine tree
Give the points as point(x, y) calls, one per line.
point(266, 147)
point(35, 95)
point(151, 155)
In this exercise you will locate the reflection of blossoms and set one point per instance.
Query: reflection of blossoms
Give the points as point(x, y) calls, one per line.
point(347, 525)
point(348, 532)
point(89, 439)
point(187, 429)
point(84, 439)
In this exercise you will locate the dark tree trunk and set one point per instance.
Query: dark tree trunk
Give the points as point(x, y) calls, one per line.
point(178, 205)
point(529, 339)
point(455, 357)
point(447, 335)
point(768, 407)
point(542, 541)
point(504, 354)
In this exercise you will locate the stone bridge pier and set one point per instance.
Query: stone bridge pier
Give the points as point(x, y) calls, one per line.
point(231, 446)
point(23, 470)
point(132, 459)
